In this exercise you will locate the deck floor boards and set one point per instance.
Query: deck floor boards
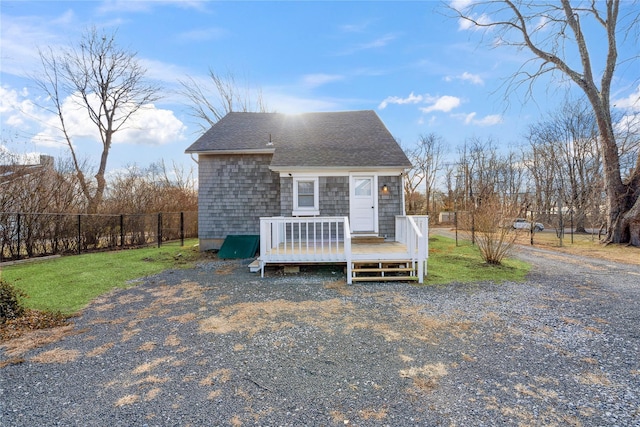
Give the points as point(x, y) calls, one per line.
point(357, 249)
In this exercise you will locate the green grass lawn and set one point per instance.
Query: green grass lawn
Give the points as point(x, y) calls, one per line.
point(69, 283)
point(463, 264)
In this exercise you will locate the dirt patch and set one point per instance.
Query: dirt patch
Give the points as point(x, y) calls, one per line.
point(339, 286)
point(594, 378)
point(183, 318)
point(149, 366)
point(373, 414)
point(255, 317)
point(425, 378)
point(35, 339)
point(129, 399)
point(332, 316)
point(57, 355)
point(218, 376)
point(100, 350)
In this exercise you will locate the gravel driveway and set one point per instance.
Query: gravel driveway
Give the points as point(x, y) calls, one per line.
point(217, 345)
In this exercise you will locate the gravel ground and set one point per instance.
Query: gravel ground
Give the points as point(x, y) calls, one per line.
point(217, 345)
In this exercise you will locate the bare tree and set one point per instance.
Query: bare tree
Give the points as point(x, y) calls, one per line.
point(567, 142)
point(153, 189)
point(106, 81)
point(426, 158)
point(221, 94)
point(552, 32)
point(414, 201)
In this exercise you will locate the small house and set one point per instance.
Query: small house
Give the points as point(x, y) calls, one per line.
point(313, 186)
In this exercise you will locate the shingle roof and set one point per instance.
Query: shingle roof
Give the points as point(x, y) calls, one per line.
point(335, 139)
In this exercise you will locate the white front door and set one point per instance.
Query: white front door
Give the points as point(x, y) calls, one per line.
point(363, 205)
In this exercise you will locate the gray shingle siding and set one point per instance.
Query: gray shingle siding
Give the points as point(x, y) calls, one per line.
point(334, 195)
point(286, 196)
point(242, 156)
point(234, 192)
point(334, 200)
point(389, 205)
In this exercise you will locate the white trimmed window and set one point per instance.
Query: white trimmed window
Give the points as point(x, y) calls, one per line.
point(305, 196)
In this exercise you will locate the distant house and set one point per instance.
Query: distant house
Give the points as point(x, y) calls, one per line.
point(314, 178)
point(14, 171)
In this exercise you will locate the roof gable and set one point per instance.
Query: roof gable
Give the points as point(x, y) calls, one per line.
point(333, 139)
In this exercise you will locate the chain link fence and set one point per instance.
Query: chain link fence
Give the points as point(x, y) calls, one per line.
point(28, 235)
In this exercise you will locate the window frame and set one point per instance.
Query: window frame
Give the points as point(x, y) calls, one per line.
point(306, 210)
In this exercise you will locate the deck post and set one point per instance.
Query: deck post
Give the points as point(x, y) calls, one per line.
point(347, 249)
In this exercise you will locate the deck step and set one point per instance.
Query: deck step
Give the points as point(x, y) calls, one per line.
point(384, 278)
point(254, 267)
point(382, 270)
point(378, 261)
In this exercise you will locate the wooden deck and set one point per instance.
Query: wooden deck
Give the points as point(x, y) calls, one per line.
point(318, 240)
point(359, 251)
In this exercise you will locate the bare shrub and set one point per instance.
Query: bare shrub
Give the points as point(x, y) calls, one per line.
point(493, 231)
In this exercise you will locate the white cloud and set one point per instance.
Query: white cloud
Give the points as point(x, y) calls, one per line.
point(460, 5)
point(473, 78)
point(444, 103)
point(16, 108)
point(379, 42)
point(632, 102)
point(20, 38)
point(629, 123)
point(411, 99)
point(148, 126)
point(541, 24)
point(466, 76)
point(490, 120)
point(315, 80)
point(151, 126)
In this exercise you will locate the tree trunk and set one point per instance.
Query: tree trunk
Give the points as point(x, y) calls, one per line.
point(622, 203)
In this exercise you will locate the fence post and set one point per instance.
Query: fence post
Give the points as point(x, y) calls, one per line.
point(79, 233)
point(159, 229)
point(121, 230)
point(455, 221)
point(181, 228)
point(18, 236)
point(571, 215)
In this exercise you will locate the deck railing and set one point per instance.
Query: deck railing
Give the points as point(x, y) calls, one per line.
point(413, 231)
point(328, 240)
point(304, 239)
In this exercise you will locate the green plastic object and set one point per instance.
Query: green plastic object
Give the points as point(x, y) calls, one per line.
point(239, 247)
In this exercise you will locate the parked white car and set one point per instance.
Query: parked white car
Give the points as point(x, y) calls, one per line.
point(523, 224)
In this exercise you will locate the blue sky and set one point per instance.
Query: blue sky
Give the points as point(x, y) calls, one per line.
point(420, 70)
